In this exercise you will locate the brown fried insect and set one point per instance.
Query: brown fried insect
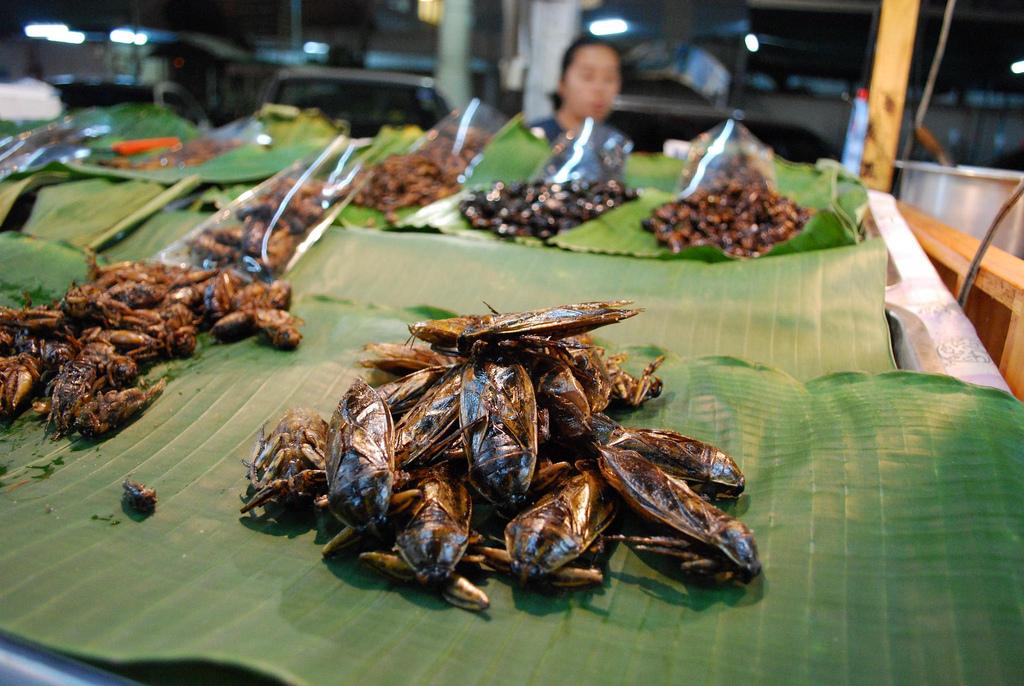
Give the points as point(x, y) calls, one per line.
point(403, 393)
point(712, 544)
point(432, 425)
point(280, 327)
point(19, 376)
point(565, 399)
point(361, 472)
point(36, 320)
point(397, 358)
point(542, 541)
point(288, 465)
point(629, 390)
point(498, 417)
point(707, 469)
point(139, 497)
point(106, 411)
point(433, 543)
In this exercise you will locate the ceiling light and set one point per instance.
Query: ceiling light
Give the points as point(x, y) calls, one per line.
point(44, 30)
point(129, 37)
point(750, 40)
point(1017, 67)
point(75, 37)
point(314, 48)
point(54, 32)
point(608, 27)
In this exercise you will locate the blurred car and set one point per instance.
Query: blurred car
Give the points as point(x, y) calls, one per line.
point(78, 93)
point(650, 120)
point(365, 99)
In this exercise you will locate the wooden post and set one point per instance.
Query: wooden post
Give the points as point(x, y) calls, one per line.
point(887, 94)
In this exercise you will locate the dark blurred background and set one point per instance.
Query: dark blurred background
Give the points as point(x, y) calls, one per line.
point(792, 66)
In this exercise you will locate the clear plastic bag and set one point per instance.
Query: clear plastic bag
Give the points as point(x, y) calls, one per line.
point(462, 135)
point(213, 143)
point(62, 140)
point(435, 167)
point(268, 228)
point(726, 153)
point(593, 153)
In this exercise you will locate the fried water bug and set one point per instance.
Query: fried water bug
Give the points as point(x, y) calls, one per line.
point(139, 497)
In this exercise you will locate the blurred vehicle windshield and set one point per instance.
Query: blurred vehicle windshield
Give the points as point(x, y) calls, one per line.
point(366, 104)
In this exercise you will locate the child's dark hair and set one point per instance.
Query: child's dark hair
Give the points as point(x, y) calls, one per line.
point(583, 42)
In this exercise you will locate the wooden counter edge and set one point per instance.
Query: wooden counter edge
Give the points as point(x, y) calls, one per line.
point(999, 318)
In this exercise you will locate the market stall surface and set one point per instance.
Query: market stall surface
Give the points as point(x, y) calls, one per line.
point(884, 502)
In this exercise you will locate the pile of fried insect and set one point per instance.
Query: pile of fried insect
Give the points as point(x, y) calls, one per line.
point(78, 361)
point(504, 409)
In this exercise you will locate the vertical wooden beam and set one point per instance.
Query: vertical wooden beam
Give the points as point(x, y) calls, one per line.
point(894, 50)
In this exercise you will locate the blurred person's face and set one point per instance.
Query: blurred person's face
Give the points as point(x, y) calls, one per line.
point(590, 83)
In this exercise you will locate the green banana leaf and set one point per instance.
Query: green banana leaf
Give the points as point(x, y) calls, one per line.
point(390, 140)
point(249, 162)
point(11, 128)
point(779, 312)
point(10, 191)
point(840, 199)
point(39, 269)
point(649, 170)
point(219, 197)
point(287, 125)
point(155, 234)
point(359, 217)
point(514, 154)
point(296, 135)
point(620, 232)
point(127, 121)
point(885, 509)
point(130, 121)
point(97, 212)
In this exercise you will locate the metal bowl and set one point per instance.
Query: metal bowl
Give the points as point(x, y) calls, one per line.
point(966, 198)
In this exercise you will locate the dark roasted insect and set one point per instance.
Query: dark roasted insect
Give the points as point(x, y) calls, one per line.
point(280, 327)
point(541, 209)
point(434, 541)
point(258, 295)
point(402, 394)
point(740, 216)
point(542, 541)
point(397, 358)
point(632, 391)
point(79, 353)
point(710, 543)
point(288, 465)
point(139, 497)
point(565, 399)
point(35, 320)
point(112, 368)
point(708, 470)
point(498, 416)
point(432, 425)
point(552, 322)
point(105, 411)
point(252, 240)
point(361, 471)
point(71, 389)
point(141, 294)
point(19, 376)
point(527, 391)
point(219, 298)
